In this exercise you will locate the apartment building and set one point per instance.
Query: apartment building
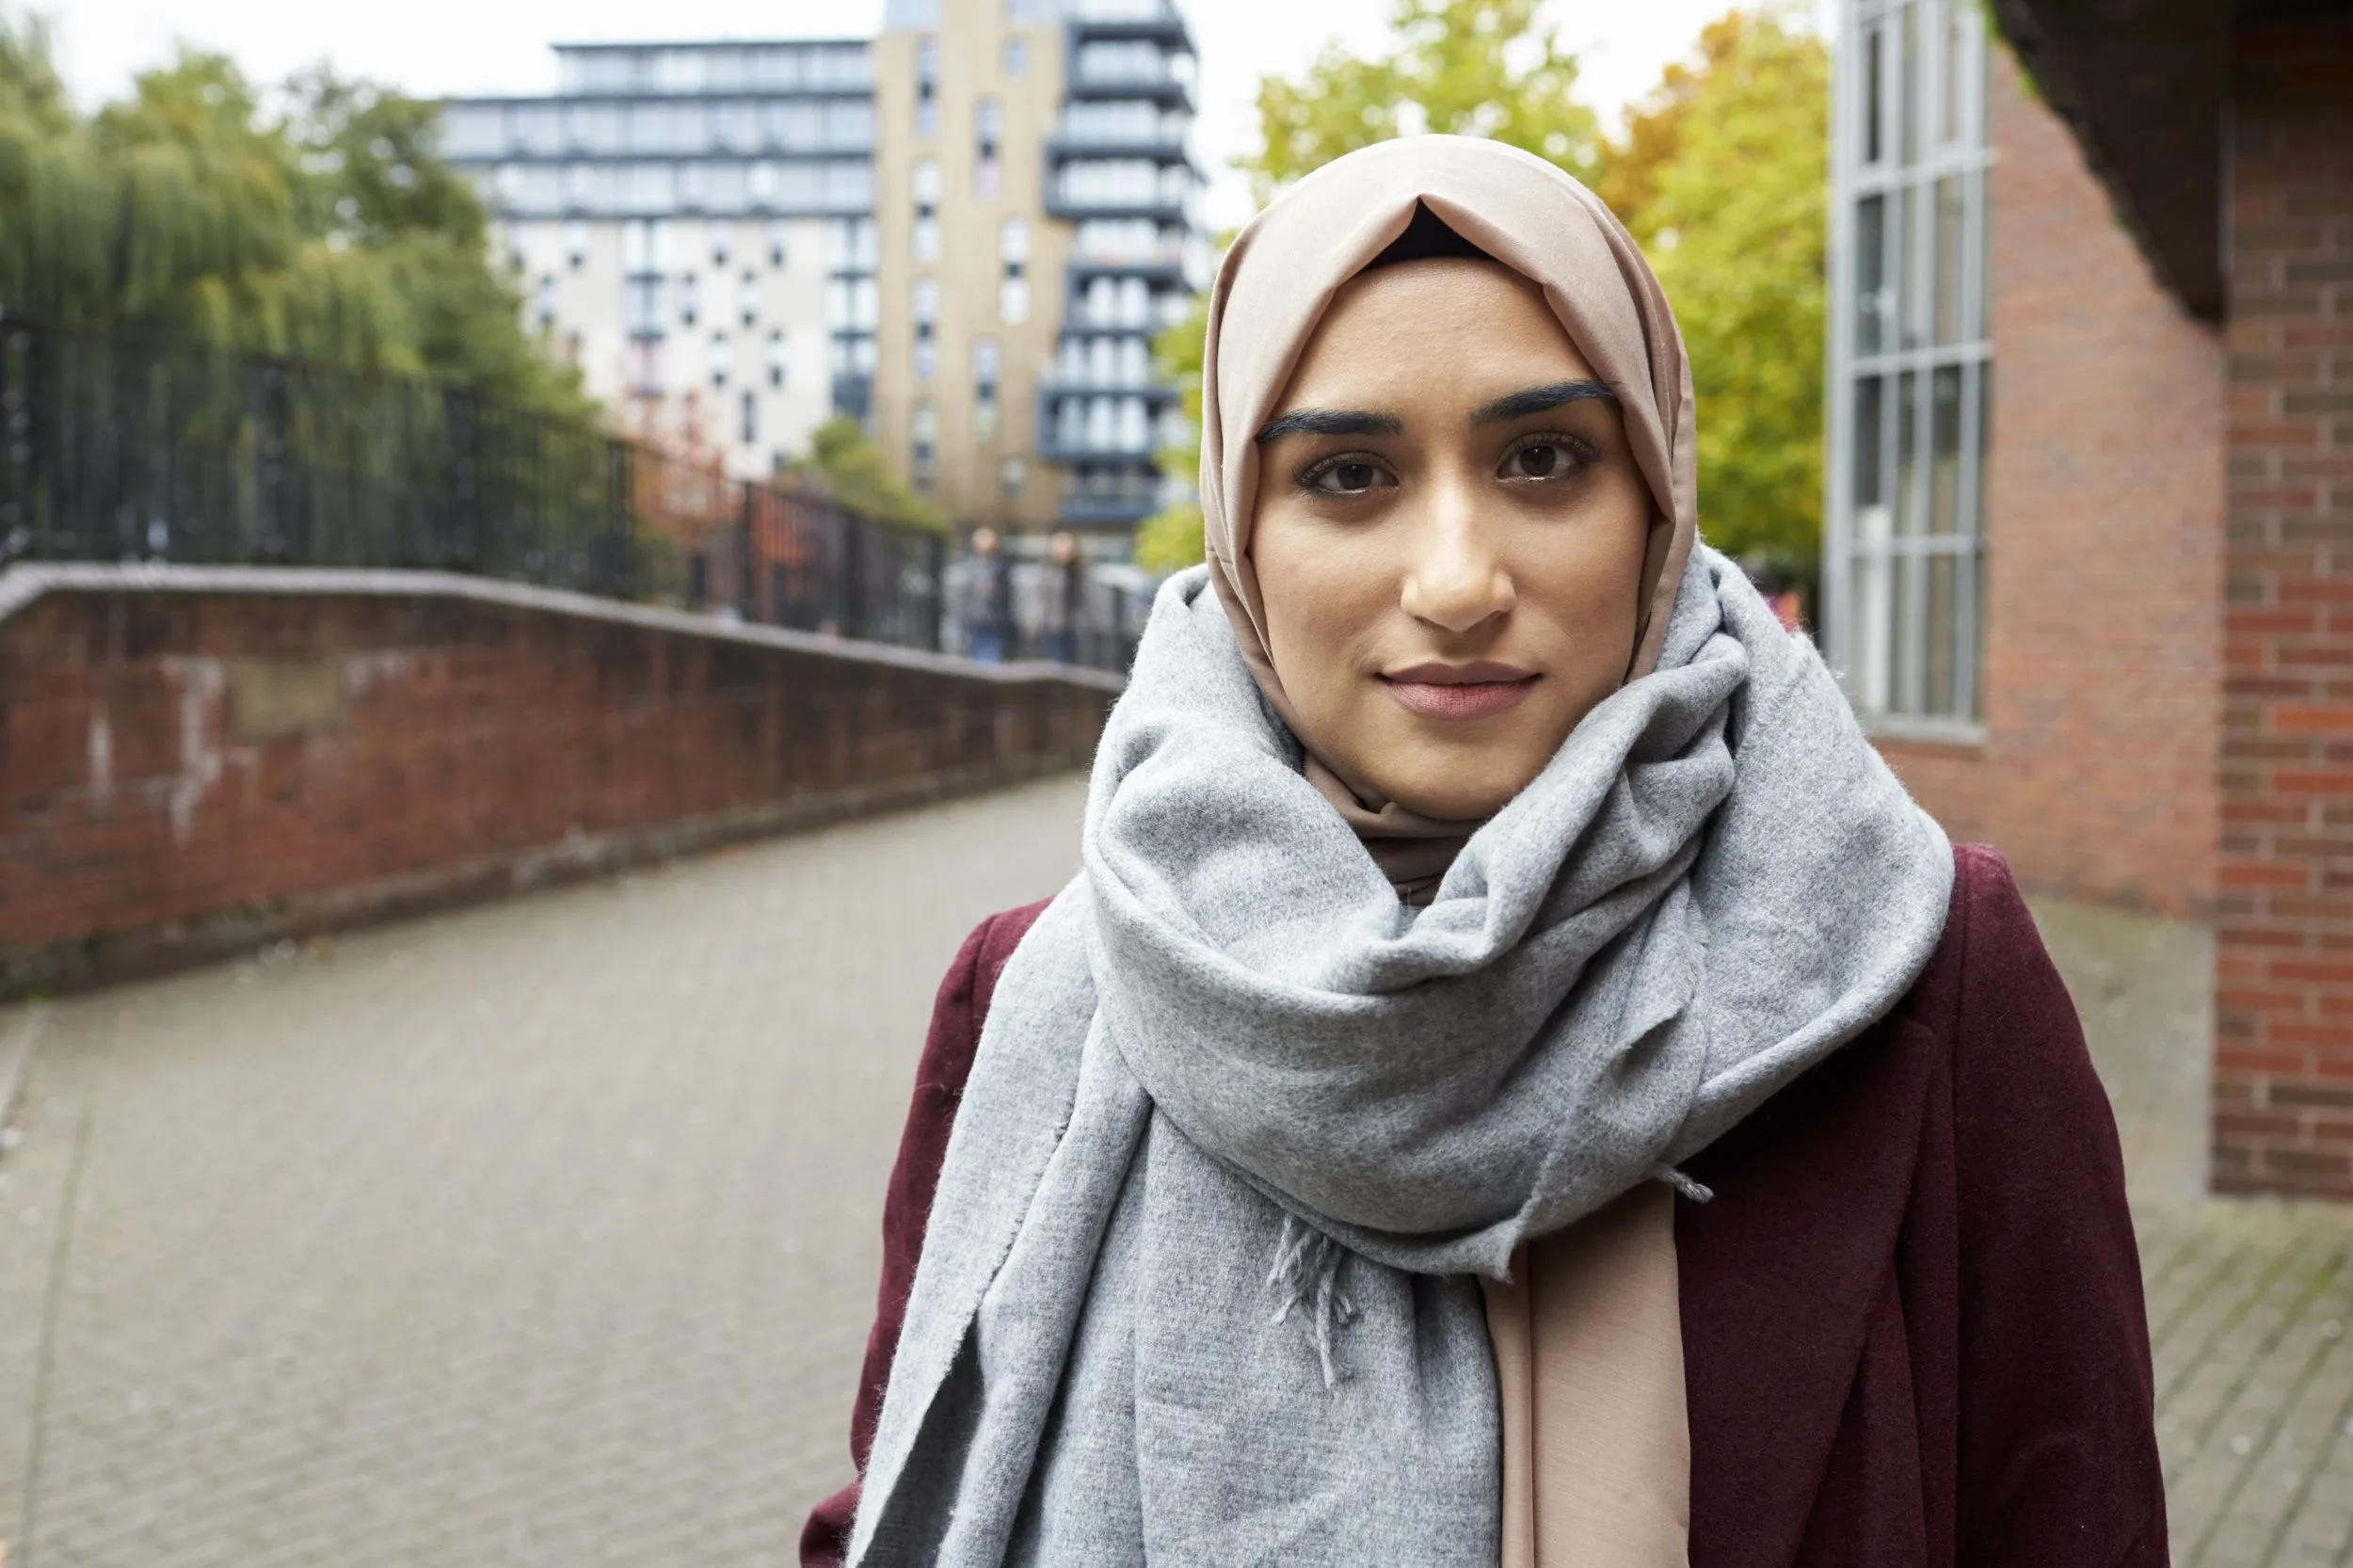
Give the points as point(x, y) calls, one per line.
point(692, 224)
point(965, 231)
point(1036, 212)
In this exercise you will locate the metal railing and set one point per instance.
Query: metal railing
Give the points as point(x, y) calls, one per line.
point(122, 448)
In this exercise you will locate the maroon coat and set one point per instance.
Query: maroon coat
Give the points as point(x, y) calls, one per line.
point(1912, 1330)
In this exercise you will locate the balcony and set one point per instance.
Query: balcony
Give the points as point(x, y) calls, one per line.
point(1064, 144)
point(1075, 201)
point(1150, 21)
point(1132, 69)
point(1121, 502)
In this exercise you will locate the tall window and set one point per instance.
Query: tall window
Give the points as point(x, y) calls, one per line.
point(1013, 289)
point(984, 389)
point(988, 134)
point(925, 178)
point(926, 314)
point(927, 87)
point(1912, 365)
point(923, 425)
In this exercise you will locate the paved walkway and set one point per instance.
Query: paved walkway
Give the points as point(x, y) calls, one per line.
point(545, 1233)
point(539, 1234)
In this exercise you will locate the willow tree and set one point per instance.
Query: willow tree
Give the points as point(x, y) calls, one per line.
point(322, 229)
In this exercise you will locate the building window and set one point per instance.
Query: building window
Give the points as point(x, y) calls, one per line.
point(1013, 288)
point(747, 297)
point(722, 359)
point(722, 240)
point(926, 314)
point(988, 135)
point(776, 357)
point(925, 179)
point(984, 389)
point(927, 87)
point(641, 306)
point(1011, 476)
point(688, 299)
point(644, 367)
point(924, 451)
point(751, 418)
point(776, 244)
point(1912, 366)
point(576, 245)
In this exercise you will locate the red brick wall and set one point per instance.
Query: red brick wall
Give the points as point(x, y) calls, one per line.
point(186, 772)
point(2284, 1064)
point(2104, 550)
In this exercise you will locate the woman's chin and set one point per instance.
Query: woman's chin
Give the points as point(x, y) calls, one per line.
point(1453, 799)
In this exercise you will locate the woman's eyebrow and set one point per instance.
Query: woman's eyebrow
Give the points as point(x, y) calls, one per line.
point(1535, 400)
point(1331, 422)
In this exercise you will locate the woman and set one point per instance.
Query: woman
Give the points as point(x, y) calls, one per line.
point(1517, 1079)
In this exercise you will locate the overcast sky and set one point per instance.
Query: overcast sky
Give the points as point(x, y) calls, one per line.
point(433, 47)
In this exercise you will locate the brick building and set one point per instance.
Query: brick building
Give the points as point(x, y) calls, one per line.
point(2089, 564)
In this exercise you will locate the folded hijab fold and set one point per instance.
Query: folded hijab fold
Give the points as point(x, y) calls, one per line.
point(1244, 1127)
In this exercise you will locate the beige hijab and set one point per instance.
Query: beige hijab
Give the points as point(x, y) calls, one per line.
point(1588, 1336)
point(1272, 289)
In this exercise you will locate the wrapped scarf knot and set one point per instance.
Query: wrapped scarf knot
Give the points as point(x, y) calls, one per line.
point(1224, 1064)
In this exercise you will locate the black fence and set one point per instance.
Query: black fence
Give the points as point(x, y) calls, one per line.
point(121, 448)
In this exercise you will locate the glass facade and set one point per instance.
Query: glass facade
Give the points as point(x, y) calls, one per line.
point(1910, 366)
point(726, 128)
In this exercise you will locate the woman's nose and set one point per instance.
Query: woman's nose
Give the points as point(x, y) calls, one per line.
point(1455, 579)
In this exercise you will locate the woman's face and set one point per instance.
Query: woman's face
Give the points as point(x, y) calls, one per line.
point(1449, 535)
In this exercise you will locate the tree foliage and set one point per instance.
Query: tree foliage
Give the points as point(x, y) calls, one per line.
point(317, 227)
point(1473, 68)
point(1720, 173)
point(1172, 538)
point(849, 467)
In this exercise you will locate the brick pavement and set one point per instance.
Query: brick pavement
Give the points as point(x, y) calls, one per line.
point(537, 1234)
point(544, 1233)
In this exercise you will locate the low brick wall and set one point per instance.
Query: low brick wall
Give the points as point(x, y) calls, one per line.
point(195, 760)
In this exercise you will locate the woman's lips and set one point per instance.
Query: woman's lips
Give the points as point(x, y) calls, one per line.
point(1459, 690)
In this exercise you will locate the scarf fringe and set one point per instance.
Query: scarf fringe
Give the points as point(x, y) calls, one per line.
point(1308, 1273)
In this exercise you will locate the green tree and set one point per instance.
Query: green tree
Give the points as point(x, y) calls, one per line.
point(1170, 538)
point(324, 231)
point(1473, 68)
point(849, 467)
point(1720, 176)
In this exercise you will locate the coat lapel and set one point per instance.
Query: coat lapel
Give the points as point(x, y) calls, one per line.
point(1779, 1274)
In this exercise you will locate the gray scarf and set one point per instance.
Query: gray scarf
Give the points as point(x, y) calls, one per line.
point(1197, 1284)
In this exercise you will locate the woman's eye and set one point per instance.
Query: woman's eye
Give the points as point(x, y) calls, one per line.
point(1350, 476)
point(1543, 459)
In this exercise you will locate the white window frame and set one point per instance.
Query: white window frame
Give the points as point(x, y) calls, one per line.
point(1876, 611)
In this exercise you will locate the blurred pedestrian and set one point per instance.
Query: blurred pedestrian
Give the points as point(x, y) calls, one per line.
point(988, 598)
point(1063, 598)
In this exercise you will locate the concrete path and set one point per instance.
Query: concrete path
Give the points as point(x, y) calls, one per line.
point(545, 1233)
